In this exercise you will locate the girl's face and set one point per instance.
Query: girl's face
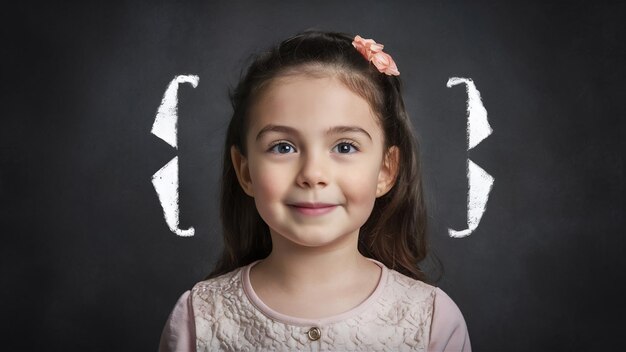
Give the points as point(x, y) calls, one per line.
point(315, 160)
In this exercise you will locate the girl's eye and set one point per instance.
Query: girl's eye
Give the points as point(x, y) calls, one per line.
point(282, 148)
point(344, 147)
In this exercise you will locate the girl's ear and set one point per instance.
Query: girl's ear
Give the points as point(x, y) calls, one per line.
point(240, 164)
point(388, 171)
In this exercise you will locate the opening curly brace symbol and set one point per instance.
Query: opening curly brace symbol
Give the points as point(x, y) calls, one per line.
point(165, 181)
point(480, 182)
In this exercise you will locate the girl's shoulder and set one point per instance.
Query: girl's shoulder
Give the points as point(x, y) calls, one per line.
point(405, 286)
point(225, 282)
point(411, 289)
point(448, 330)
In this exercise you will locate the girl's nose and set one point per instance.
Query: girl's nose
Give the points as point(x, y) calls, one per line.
point(313, 171)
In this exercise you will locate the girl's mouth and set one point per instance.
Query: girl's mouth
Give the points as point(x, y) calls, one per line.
point(313, 209)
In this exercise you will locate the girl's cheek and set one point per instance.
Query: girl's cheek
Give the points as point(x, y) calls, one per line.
point(360, 185)
point(269, 180)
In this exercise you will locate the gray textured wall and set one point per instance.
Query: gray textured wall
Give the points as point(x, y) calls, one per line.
point(89, 264)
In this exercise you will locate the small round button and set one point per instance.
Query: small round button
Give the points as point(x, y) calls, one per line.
point(314, 333)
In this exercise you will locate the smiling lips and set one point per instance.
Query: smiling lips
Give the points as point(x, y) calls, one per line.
point(313, 208)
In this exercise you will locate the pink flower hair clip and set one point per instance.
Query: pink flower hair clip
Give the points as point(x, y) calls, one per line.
point(373, 52)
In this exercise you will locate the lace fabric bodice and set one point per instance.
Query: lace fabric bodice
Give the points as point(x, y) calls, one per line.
point(230, 317)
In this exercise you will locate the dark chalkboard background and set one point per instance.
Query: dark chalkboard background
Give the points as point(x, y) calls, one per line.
point(88, 263)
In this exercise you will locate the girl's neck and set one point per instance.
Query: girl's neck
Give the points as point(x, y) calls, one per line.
point(301, 270)
point(294, 279)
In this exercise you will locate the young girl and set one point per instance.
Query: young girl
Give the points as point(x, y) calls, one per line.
point(323, 214)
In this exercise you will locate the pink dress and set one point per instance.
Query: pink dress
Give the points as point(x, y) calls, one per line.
point(402, 314)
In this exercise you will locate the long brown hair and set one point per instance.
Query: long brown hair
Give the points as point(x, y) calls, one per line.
point(395, 232)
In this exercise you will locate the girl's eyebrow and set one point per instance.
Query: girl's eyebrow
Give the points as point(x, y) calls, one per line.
point(291, 130)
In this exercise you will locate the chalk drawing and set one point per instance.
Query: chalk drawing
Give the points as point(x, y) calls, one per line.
point(165, 181)
point(480, 182)
point(165, 124)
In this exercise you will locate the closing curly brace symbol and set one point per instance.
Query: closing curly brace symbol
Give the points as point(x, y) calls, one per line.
point(165, 180)
point(480, 182)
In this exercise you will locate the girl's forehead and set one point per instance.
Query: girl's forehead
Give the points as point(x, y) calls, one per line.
point(311, 103)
